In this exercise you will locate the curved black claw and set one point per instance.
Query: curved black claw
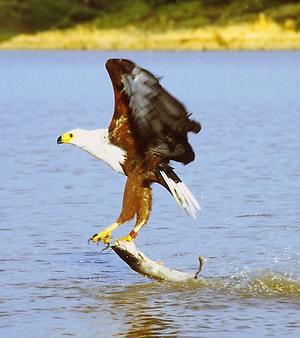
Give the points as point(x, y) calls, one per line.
point(91, 239)
point(105, 248)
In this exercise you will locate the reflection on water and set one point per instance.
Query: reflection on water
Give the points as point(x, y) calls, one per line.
point(246, 177)
point(161, 308)
point(143, 316)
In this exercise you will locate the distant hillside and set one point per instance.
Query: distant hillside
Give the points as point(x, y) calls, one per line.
point(19, 16)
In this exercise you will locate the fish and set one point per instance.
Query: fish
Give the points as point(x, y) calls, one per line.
point(145, 266)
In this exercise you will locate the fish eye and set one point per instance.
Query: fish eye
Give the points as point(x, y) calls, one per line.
point(71, 135)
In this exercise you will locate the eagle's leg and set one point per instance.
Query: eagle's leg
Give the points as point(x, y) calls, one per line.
point(143, 211)
point(127, 213)
point(133, 233)
point(104, 236)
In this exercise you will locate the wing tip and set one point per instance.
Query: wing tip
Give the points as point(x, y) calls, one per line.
point(116, 68)
point(123, 65)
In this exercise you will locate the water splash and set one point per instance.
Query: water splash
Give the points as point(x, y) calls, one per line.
point(263, 283)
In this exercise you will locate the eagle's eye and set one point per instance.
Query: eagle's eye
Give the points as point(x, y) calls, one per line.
point(71, 135)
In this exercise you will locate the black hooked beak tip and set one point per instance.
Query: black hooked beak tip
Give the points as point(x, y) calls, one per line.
point(59, 141)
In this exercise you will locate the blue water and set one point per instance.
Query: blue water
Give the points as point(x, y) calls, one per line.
point(246, 177)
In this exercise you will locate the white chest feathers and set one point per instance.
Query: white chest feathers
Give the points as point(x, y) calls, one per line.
point(96, 143)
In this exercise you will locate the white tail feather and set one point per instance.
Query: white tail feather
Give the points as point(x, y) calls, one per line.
point(182, 195)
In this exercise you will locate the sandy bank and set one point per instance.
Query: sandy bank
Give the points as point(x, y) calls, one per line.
point(262, 34)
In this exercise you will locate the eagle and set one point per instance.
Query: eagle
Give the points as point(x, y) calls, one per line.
point(149, 128)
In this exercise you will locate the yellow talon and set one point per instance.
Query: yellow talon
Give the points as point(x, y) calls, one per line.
point(103, 236)
point(130, 237)
point(127, 238)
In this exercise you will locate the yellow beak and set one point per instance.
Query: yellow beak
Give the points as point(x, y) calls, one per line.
point(65, 138)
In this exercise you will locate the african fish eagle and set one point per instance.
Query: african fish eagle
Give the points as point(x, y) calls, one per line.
point(148, 129)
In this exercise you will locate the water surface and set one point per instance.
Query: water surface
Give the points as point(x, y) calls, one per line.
point(246, 177)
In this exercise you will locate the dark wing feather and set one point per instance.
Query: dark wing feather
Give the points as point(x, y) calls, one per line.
point(160, 121)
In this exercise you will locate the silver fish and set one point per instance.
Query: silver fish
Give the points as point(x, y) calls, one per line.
point(140, 263)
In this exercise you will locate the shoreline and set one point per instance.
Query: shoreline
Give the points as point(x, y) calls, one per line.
point(262, 34)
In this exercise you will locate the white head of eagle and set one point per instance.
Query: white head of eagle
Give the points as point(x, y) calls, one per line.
point(149, 128)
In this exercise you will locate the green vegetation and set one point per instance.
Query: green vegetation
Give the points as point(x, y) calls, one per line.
point(30, 16)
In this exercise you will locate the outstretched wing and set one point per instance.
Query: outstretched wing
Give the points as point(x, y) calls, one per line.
point(147, 114)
